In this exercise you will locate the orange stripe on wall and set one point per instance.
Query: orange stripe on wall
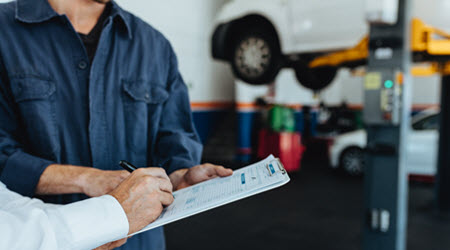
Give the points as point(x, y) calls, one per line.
point(414, 106)
point(246, 105)
point(425, 106)
point(211, 105)
point(253, 106)
point(249, 105)
point(355, 106)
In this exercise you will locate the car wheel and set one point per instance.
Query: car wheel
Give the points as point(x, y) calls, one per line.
point(314, 78)
point(256, 57)
point(352, 161)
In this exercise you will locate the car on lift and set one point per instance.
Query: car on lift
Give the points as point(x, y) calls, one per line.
point(347, 150)
point(259, 37)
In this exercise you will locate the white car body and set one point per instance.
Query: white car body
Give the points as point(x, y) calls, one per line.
point(422, 147)
point(305, 26)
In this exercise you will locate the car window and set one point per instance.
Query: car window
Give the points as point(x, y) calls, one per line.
point(427, 123)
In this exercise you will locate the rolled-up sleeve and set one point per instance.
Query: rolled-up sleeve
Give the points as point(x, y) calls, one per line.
point(19, 170)
point(178, 145)
point(31, 224)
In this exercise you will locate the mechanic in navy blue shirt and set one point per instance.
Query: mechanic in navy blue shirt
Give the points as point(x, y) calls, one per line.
point(83, 85)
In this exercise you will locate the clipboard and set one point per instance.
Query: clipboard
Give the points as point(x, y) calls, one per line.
point(271, 169)
point(245, 182)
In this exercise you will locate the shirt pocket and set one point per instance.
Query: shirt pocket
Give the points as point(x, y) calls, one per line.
point(35, 98)
point(143, 104)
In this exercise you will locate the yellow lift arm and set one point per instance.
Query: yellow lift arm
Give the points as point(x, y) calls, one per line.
point(424, 39)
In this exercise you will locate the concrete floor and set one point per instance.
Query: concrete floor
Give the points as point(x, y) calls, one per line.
point(319, 209)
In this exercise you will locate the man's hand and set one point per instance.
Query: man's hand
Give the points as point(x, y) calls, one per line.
point(97, 182)
point(187, 177)
point(143, 195)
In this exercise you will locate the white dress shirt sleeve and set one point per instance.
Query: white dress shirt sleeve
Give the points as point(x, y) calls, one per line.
point(31, 224)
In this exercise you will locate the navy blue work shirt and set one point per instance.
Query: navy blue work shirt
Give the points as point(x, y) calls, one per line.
point(130, 104)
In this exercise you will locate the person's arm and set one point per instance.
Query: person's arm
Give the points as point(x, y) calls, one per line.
point(19, 170)
point(30, 224)
point(68, 179)
point(28, 174)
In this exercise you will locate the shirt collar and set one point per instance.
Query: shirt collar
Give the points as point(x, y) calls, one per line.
point(36, 11)
point(123, 16)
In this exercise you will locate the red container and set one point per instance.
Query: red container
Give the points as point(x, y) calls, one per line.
point(284, 145)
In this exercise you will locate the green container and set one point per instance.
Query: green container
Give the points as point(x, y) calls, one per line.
point(359, 120)
point(282, 119)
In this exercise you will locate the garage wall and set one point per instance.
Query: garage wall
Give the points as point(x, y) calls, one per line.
point(349, 88)
point(346, 88)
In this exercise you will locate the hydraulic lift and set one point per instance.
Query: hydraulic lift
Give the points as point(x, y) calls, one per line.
point(428, 44)
point(387, 54)
point(386, 114)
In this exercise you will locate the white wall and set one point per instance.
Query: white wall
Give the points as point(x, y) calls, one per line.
point(188, 24)
point(349, 88)
point(346, 87)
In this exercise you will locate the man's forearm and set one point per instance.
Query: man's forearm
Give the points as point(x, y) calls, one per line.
point(62, 179)
point(68, 179)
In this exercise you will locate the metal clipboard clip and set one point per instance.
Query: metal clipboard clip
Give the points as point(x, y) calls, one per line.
point(272, 169)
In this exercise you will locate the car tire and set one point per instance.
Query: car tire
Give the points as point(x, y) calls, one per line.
point(256, 56)
point(352, 161)
point(314, 78)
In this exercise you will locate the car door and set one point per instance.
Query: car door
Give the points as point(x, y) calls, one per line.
point(326, 25)
point(423, 146)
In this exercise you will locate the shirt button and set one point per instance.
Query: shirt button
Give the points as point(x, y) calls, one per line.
point(82, 64)
point(147, 96)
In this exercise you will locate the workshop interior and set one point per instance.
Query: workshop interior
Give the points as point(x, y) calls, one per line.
point(351, 96)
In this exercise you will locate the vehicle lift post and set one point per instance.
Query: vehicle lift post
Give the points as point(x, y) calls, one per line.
point(443, 175)
point(387, 105)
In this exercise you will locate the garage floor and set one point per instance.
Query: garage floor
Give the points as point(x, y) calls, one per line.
point(319, 209)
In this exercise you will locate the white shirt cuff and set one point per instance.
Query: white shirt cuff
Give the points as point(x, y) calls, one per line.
point(92, 222)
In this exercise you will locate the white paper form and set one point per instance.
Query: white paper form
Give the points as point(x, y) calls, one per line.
point(244, 182)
